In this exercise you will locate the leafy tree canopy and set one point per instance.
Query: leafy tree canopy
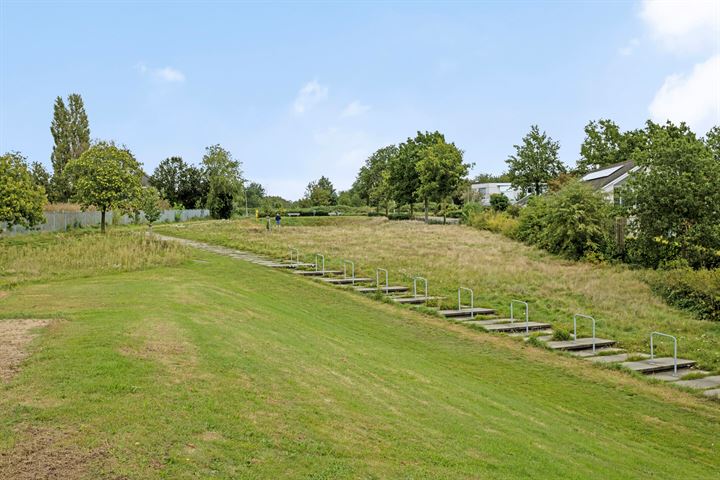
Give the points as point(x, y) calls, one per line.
point(21, 199)
point(535, 162)
point(441, 171)
point(403, 176)
point(106, 177)
point(372, 180)
point(151, 204)
point(71, 136)
point(321, 193)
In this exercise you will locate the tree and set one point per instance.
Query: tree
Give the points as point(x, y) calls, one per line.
point(535, 162)
point(350, 198)
point(491, 178)
point(224, 178)
point(106, 177)
point(21, 199)
point(221, 197)
point(151, 204)
point(441, 171)
point(71, 135)
point(403, 176)
point(712, 141)
point(40, 176)
point(601, 146)
point(321, 193)
point(672, 199)
point(193, 189)
point(255, 194)
point(167, 178)
point(371, 182)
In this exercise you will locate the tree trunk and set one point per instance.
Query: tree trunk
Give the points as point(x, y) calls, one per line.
point(442, 205)
point(412, 210)
point(426, 210)
point(102, 220)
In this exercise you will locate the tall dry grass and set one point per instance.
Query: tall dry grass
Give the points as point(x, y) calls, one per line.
point(496, 268)
point(60, 255)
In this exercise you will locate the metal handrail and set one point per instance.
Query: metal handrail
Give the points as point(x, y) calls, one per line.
point(472, 300)
point(323, 262)
point(377, 279)
point(575, 328)
point(352, 265)
point(652, 348)
point(297, 256)
point(415, 280)
point(527, 314)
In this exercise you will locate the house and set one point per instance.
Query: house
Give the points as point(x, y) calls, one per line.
point(483, 191)
point(608, 178)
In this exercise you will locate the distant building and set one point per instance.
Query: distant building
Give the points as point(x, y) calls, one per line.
point(607, 179)
point(483, 191)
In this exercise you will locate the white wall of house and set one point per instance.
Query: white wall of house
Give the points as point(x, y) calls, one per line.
point(484, 190)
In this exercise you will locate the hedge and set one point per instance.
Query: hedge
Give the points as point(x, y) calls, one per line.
point(695, 290)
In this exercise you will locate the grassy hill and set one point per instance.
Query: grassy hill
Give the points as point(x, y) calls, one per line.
point(212, 367)
point(498, 269)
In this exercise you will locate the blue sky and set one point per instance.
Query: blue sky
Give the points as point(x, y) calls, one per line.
point(299, 90)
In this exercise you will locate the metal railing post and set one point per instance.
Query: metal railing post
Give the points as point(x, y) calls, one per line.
point(575, 328)
point(527, 314)
point(320, 255)
point(415, 280)
point(352, 265)
point(652, 348)
point(377, 279)
point(472, 300)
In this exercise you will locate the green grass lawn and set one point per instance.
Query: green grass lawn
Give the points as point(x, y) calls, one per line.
point(216, 368)
point(496, 268)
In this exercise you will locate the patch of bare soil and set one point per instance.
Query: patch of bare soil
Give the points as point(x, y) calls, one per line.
point(48, 454)
point(3, 294)
point(14, 338)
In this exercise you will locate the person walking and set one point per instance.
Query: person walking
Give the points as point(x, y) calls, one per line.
point(277, 219)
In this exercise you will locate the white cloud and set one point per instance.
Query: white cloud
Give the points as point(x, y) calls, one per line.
point(692, 98)
point(628, 49)
point(683, 26)
point(354, 109)
point(310, 95)
point(165, 74)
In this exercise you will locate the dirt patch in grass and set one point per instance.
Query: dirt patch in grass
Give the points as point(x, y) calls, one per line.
point(49, 454)
point(3, 294)
point(15, 335)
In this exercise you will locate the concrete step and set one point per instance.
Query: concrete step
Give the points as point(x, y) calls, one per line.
point(516, 327)
point(714, 393)
point(346, 281)
point(658, 364)
point(580, 344)
point(620, 357)
point(589, 353)
point(546, 334)
point(670, 376)
point(318, 273)
point(491, 321)
point(390, 289)
point(413, 300)
point(701, 383)
point(465, 312)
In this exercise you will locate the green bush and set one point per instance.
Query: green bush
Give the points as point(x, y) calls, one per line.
point(499, 202)
point(399, 216)
point(695, 290)
point(575, 222)
point(498, 222)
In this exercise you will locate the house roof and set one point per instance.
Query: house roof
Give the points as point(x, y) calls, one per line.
point(603, 176)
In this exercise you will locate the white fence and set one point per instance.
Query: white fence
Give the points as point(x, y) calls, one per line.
point(62, 221)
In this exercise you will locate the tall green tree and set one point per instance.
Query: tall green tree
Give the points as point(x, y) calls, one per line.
point(71, 135)
point(601, 146)
point(255, 194)
point(371, 183)
point(106, 177)
point(712, 141)
point(167, 178)
point(150, 204)
point(673, 199)
point(320, 193)
point(224, 179)
point(403, 176)
point(441, 171)
point(535, 162)
point(21, 199)
point(40, 176)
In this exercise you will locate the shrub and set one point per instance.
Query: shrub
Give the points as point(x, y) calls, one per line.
point(498, 222)
point(399, 216)
point(574, 222)
point(695, 290)
point(499, 202)
point(560, 335)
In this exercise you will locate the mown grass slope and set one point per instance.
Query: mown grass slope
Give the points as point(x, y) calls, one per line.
point(498, 269)
point(216, 368)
